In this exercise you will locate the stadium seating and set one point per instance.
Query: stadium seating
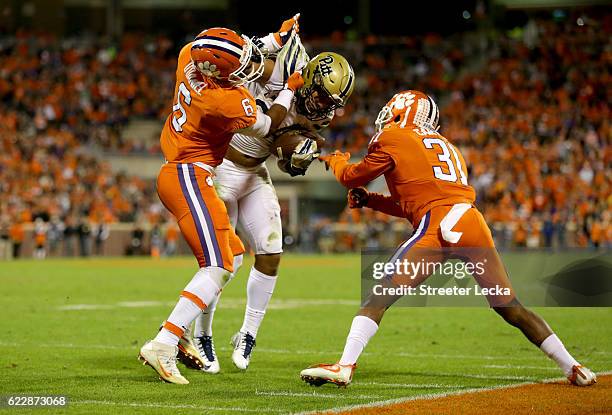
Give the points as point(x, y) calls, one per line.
point(528, 110)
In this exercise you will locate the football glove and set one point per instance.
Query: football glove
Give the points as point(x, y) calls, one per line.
point(294, 82)
point(358, 197)
point(327, 158)
point(303, 155)
point(287, 28)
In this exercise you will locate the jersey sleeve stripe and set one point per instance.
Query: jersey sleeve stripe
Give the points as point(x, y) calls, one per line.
point(261, 104)
point(291, 51)
point(294, 57)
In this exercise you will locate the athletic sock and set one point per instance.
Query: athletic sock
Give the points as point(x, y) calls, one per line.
point(259, 291)
point(362, 330)
point(204, 321)
point(201, 290)
point(181, 317)
point(553, 348)
point(165, 336)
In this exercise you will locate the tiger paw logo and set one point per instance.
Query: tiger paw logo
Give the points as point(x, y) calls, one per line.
point(402, 101)
point(208, 69)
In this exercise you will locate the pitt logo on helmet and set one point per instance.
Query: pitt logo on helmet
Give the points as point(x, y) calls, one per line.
point(324, 65)
point(328, 83)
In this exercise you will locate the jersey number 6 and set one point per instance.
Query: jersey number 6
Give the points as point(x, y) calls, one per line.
point(177, 123)
point(445, 157)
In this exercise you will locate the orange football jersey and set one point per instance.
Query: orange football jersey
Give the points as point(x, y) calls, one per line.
point(422, 169)
point(204, 116)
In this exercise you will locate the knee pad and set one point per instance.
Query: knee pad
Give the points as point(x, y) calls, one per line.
point(206, 285)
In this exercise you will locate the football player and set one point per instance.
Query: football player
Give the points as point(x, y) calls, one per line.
point(427, 179)
point(243, 182)
point(211, 104)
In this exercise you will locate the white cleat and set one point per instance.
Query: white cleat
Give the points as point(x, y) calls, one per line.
point(582, 376)
point(162, 358)
point(199, 353)
point(243, 346)
point(338, 374)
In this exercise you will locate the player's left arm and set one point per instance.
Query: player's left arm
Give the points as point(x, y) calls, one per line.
point(272, 42)
point(360, 197)
point(349, 175)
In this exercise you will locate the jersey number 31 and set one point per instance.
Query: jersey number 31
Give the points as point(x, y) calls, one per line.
point(453, 164)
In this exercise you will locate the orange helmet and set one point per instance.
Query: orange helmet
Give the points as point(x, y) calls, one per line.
point(224, 55)
point(408, 109)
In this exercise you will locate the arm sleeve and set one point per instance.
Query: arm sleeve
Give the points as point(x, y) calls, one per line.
point(360, 174)
point(259, 129)
point(385, 204)
point(267, 43)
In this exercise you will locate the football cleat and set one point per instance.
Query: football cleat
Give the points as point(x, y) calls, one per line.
point(188, 353)
point(162, 358)
point(582, 376)
point(203, 350)
point(338, 374)
point(243, 346)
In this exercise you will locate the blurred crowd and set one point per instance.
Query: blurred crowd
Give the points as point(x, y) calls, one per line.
point(529, 110)
point(531, 115)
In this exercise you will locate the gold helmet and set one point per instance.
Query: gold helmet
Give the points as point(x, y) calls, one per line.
point(328, 83)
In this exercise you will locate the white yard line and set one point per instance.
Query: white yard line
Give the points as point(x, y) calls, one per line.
point(314, 395)
point(486, 377)
point(168, 406)
point(413, 385)
point(281, 304)
point(430, 396)
point(555, 369)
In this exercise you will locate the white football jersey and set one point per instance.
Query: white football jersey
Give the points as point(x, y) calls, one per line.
point(292, 57)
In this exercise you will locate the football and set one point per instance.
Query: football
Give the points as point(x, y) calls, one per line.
point(286, 139)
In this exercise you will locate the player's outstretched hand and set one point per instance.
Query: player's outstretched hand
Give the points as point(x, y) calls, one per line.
point(358, 197)
point(327, 158)
point(295, 81)
point(287, 28)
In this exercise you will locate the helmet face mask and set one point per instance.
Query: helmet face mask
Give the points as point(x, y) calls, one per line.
point(384, 116)
point(328, 83)
point(315, 102)
point(251, 64)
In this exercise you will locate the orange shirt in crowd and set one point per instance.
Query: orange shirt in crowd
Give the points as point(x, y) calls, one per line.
point(17, 233)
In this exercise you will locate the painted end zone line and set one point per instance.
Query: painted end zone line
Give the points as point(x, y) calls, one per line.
point(430, 396)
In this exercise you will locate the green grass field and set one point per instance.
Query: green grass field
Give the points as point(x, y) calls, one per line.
point(74, 327)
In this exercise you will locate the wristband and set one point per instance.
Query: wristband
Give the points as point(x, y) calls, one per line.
point(284, 98)
point(269, 43)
